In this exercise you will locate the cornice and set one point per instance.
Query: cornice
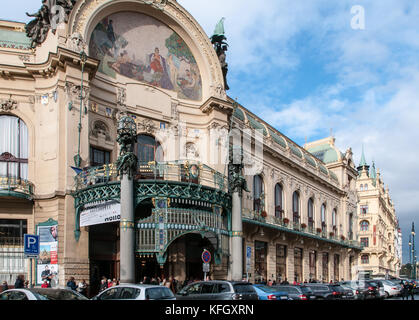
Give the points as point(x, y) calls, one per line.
point(59, 60)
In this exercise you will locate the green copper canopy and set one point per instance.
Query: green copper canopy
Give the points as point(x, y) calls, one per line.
point(363, 162)
point(373, 174)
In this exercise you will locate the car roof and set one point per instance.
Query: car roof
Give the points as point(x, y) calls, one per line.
point(139, 285)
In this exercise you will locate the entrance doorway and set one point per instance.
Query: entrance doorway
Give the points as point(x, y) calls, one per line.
point(103, 254)
point(183, 260)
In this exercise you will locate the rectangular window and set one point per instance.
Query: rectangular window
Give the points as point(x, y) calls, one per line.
point(364, 242)
point(261, 266)
point(281, 262)
point(12, 230)
point(99, 157)
point(325, 267)
point(312, 264)
point(336, 262)
point(364, 209)
point(298, 264)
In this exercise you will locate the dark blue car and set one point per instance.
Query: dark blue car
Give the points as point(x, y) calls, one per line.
point(269, 293)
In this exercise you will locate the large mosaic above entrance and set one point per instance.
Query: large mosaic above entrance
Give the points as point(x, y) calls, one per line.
point(142, 48)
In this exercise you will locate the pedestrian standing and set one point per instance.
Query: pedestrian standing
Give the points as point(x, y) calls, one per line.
point(410, 291)
point(109, 284)
point(82, 287)
point(71, 283)
point(45, 284)
point(20, 282)
point(404, 292)
point(4, 286)
point(103, 284)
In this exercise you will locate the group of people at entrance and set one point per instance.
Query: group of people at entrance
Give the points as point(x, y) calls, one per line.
point(107, 283)
point(285, 282)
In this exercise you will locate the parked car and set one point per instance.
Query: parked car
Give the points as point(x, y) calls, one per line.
point(218, 290)
point(136, 292)
point(350, 286)
point(296, 292)
point(270, 293)
point(391, 289)
point(327, 291)
point(380, 286)
point(41, 294)
point(367, 289)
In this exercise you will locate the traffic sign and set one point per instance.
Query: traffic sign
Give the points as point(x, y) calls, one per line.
point(205, 267)
point(31, 245)
point(248, 252)
point(206, 256)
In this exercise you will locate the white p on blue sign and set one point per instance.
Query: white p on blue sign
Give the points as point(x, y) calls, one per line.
point(31, 245)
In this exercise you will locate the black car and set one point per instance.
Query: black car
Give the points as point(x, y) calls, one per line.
point(218, 290)
point(367, 289)
point(325, 291)
point(297, 292)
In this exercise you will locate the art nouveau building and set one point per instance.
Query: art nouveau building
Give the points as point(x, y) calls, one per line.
point(379, 231)
point(59, 113)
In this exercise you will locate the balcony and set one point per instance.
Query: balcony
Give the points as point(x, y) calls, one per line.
point(176, 171)
point(296, 228)
point(16, 188)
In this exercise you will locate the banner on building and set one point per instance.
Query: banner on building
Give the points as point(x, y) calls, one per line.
point(100, 212)
point(47, 266)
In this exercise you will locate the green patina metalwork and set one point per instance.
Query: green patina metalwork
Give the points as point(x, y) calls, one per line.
point(271, 222)
point(15, 187)
point(102, 184)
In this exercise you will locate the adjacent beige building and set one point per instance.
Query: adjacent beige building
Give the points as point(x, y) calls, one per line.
point(379, 232)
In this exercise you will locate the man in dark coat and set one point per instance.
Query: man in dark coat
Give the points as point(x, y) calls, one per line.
point(72, 284)
point(20, 282)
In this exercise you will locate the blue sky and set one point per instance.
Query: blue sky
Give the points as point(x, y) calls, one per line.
point(300, 65)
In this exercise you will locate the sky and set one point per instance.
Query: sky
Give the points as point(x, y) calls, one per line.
point(305, 68)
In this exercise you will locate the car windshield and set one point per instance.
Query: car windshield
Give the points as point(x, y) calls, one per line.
point(159, 293)
point(336, 288)
point(243, 288)
point(267, 289)
point(56, 294)
point(306, 290)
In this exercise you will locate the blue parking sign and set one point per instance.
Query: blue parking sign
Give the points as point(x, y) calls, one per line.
point(31, 245)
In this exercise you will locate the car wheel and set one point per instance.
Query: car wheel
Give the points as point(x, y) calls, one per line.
point(387, 295)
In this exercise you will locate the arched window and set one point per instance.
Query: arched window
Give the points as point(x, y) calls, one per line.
point(13, 148)
point(148, 149)
point(350, 226)
point(361, 187)
point(364, 225)
point(278, 201)
point(334, 217)
point(296, 207)
point(310, 213)
point(365, 259)
point(365, 187)
point(323, 215)
point(258, 194)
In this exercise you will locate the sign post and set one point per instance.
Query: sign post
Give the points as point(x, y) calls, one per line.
point(31, 250)
point(206, 259)
point(248, 261)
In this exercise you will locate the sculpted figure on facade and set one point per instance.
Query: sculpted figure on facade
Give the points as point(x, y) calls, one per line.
point(47, 17)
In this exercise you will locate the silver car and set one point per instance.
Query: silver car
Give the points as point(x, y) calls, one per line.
point(41, 294)
point(136, 292)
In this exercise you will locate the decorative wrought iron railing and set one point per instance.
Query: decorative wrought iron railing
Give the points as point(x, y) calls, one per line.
point(290, 226)
point(16, 185)
point(180, 171)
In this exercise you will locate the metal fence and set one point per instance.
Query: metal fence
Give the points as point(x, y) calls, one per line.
point(12, 259)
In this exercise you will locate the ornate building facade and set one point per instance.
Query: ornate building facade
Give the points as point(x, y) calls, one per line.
point(379, 231)
point(63, 90)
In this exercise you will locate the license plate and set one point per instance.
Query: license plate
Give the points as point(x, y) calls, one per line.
point(312, 297)
point(284, 298)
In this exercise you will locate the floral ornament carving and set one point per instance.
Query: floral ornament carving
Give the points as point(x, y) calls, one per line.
point(159, 4)
point(8, 105)
point(146, 126)
point(121, 97)
point(76, 43)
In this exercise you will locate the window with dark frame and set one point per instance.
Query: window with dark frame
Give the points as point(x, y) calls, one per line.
point(99, 157)
point(278, 201)
point(14, 148)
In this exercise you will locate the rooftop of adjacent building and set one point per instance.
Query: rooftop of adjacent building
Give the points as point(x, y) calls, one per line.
point(13, 35)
